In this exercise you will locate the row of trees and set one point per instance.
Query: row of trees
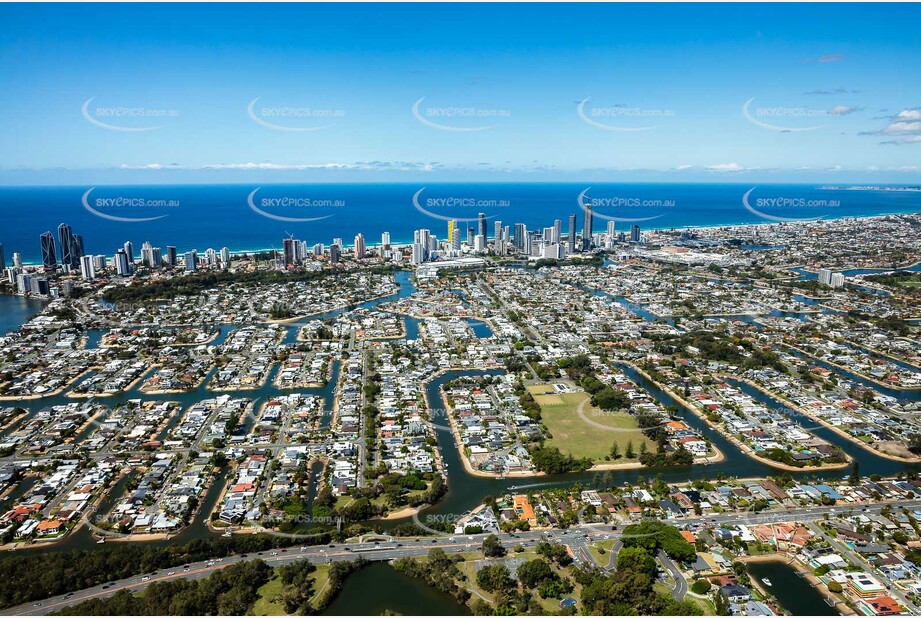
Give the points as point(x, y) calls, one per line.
point(48, 574)
point(551, 460)
point(230, 591)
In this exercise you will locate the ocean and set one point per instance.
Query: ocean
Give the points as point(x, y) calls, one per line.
point(248, 217)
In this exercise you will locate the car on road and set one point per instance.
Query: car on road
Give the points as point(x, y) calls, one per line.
point(146, 578)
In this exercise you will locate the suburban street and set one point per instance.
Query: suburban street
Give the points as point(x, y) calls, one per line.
point(577, 538)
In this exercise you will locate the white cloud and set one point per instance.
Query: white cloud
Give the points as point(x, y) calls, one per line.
point(904, 128)
point(824, 59)
point(726, 167)
point(909, 114)
point(907, 139)
point(844, 110)
point(363, 165)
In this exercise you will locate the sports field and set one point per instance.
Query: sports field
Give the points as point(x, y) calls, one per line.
point(589, 434)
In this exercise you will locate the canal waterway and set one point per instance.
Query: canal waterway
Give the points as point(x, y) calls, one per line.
point(379, 588)
point(16, 311)
point(464, 490)
point(793, 592)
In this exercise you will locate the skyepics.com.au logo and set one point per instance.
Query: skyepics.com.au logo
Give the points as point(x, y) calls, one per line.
point(786, 119)
point(285, 207)
point(115, 207)
point(786, 206)
point(127, 119)
point(458, 119)
point(622, 118)
point(459, 208)
point(293, 118)
point(605, 206)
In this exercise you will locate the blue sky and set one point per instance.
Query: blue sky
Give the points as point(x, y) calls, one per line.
point(259, 93)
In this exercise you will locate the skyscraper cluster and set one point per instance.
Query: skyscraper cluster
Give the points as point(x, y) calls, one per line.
point(65, 252)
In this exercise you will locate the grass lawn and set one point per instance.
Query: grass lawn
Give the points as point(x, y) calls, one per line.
point(705, 604)
point(661, 588)
point(469, 570)
point(265, 605)
point(550, 606)
point(604, 558)
point(320, 580)
point(269, 604)
point(343, 501)
point(575, 436)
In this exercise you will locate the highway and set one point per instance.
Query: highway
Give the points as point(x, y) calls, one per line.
point(576, 538)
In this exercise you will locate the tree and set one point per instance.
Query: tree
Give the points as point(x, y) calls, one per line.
point(855, 474)
point(701, 586)
point(492, 547)
point(636, 559)
point(615, 451)
point(533, 572)
point(653, 535)
point(494, 577)
point(630, 454)
point(720, 604)
point(551, 460)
